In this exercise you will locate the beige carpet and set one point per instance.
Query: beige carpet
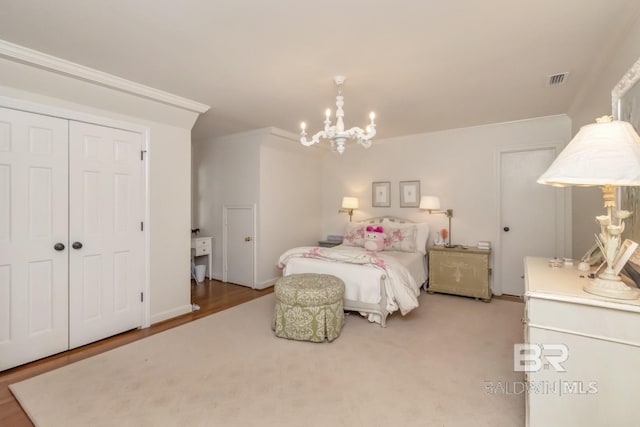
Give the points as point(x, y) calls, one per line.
point(429, 368)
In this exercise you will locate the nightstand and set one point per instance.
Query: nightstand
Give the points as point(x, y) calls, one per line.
point(460, 271)
point(202, 246)
point(329, 243)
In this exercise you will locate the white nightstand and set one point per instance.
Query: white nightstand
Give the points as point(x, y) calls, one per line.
point(201, 246)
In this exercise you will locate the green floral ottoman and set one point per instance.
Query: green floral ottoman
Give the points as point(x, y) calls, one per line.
point(308, 307)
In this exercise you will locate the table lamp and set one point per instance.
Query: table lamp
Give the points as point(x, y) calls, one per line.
point(604, 154)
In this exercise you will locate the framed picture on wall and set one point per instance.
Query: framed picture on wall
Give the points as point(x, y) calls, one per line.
point(409, 194)
point(381, 194)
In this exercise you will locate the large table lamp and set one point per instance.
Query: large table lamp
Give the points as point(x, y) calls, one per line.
point(604, 154)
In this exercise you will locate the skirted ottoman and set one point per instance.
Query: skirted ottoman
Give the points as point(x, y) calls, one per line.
point(309, 307)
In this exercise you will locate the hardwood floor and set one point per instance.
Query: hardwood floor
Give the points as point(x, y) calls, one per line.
point(212, 296)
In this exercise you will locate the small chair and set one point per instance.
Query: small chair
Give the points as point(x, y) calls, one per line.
point(309, 307)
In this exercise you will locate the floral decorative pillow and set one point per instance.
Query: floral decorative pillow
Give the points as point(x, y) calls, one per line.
point(400, 238)
point(353, 235)
point(422, 232)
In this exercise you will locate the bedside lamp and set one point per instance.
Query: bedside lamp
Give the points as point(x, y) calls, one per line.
point(432, 205)
point(604, 154)
point(348, 205)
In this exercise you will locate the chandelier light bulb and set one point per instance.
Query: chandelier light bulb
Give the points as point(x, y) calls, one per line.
point(372, 116)
point(303, 126)
point(328, 113)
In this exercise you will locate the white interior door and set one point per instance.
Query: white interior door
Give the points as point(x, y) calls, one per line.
point(33, 220)
point(532, 215)
point(105, 237)
point(239, 245)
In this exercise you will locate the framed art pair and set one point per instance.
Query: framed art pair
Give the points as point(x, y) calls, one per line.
point(409, 194)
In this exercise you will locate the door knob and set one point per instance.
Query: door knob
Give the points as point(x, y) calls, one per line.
point(506, 229)
point(247, 239)
point(59, 246)
point(76, 245)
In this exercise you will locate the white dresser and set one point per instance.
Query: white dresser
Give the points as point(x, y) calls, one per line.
point(202, 246)
point(600, 385)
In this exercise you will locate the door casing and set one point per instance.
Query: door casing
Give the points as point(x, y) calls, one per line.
point(226, 211)
point(563, 211)
point(69, 114)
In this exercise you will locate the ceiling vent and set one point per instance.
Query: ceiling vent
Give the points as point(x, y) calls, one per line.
point(557, 79)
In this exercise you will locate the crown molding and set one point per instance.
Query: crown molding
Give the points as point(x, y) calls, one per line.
point(62, 66)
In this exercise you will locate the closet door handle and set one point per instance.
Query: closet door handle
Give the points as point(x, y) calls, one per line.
point(76, 245)
point(59, 246)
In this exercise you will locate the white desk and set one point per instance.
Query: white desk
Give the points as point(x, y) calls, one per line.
point(201, 246)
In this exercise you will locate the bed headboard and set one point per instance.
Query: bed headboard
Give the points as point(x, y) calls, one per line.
point(379, 219)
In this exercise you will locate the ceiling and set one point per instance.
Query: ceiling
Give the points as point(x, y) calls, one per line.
point(420, 65)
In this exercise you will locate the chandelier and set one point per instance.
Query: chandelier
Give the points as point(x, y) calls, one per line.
point(336, 133)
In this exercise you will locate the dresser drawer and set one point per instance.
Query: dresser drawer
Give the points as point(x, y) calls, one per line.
point(202, 245)
point(585, 320)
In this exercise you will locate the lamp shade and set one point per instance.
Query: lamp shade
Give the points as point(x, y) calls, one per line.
point(603, 153)
point(430, 202)
point(349, 203)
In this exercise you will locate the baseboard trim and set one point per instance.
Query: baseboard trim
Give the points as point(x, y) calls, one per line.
point(169, 314)
point(266, 283)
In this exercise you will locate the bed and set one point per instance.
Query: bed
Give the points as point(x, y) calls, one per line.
point(376, 283)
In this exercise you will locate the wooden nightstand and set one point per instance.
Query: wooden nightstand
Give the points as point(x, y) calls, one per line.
point(329, 243)
point(460, 271)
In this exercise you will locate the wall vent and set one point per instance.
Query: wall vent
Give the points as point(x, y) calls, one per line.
point(557, 79)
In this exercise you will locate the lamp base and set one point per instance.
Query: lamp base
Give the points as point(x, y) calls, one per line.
point(611, 289)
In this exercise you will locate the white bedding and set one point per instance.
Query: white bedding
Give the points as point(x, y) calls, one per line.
point(404, 273)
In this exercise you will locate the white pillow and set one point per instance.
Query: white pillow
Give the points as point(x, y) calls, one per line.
point(422, 232)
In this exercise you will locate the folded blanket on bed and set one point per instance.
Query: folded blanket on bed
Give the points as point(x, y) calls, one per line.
point(401, 288)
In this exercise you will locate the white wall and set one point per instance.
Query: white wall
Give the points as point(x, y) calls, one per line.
point(457, 165)
point(595, 101)
point(270, 169)
point(226, 172)
point(169, 168)
point(290, 210)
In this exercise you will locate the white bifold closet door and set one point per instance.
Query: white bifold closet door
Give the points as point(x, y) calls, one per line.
point(71, 244)
point(33, 219)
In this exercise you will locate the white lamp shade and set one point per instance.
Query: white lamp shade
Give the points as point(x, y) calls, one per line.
point(600, 154)
point(349, 203)
point(430, 202)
